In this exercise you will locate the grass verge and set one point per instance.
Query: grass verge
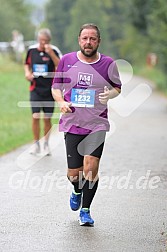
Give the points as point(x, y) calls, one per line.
point(154, 74)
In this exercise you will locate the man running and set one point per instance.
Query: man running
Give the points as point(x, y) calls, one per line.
point(84, 82)
point(40, 64)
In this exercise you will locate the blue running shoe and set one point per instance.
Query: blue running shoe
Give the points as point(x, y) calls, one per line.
point(75, 201)
point(84, 218)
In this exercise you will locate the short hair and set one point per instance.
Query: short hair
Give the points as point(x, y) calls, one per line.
point(46, 32)
point(90, 26)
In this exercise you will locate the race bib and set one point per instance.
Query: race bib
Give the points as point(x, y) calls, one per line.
point(83, 97)
point(40, 70)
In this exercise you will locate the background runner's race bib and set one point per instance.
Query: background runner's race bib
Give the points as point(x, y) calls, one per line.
point(40, 69)
point(83, 97)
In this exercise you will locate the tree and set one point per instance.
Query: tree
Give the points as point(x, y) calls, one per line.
point(130, 29)
point(58, 19)
point(157, 30)
point(149, 23)
point(139, 13)
point(87, 12)
point(65, 17)
point(15, 15)
point(118, 21)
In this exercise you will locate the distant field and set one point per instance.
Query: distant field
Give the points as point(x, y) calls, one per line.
point(15, 122)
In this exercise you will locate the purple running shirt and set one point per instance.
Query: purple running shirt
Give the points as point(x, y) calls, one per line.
point(81, 84)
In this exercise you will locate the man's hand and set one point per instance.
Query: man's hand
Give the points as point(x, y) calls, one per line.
point(65, 107)
point(28, 74)
point(48, 49)
point(108, 94)
point(104, 97)
point(54, 57)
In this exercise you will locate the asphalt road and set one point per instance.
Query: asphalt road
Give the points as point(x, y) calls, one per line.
point(130, 206)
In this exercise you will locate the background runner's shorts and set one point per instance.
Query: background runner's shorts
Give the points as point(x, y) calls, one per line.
point(79, 145)
point(38, 103)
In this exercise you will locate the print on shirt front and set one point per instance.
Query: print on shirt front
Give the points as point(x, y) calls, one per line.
point(82, 96)
point(84, 79)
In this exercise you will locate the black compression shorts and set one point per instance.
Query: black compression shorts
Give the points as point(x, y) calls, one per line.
point(77, 146)
point(38, 103)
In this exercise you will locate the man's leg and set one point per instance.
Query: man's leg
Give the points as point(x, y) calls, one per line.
point(84, 178)
point(47, 128)
point(35, 107)
point(36, 133)
point(75, 168)
point(93, 149)
point(75, 176)
point(36, 126)
point(90, 184)
point(48, 109)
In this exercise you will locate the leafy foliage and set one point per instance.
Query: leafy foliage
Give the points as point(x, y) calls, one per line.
point(15, 14)
point(58, 18)
point(80, 14)
point(130, 29)
point(157, 30)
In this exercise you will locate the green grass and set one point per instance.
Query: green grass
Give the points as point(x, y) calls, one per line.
point(154, 74)
point(15, 122)
point(15, 126)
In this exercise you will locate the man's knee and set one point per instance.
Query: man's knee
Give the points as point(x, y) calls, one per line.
point(91, 165)
point(75, 174)
point(36, 116)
